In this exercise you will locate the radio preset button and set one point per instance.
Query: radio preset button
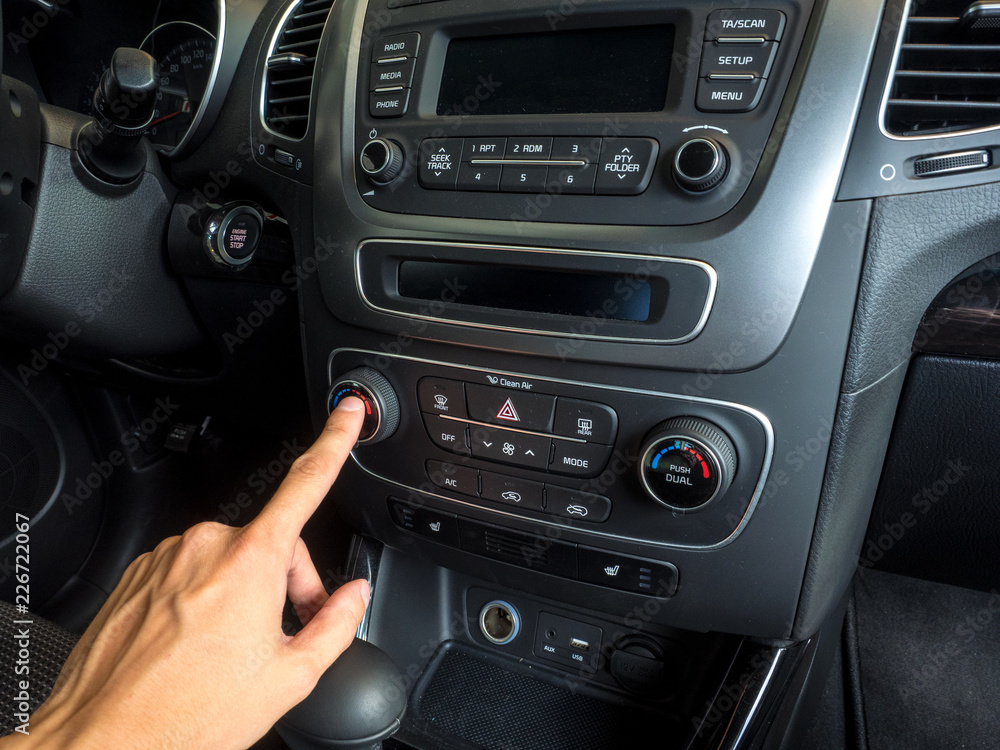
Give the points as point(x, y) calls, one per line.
point(479, 177)
point(392, 74)
point(518, 409)
point(517, 179)
point(572, 179)
point(579, 459)
point(484, 148)
point(587, 149)
point(626, 166)
point(440, 396)
point(447, 434)
point(400, 45)
point(737, 59)
point(576, 505)
point(528, 148)
point(745, 23)
point(461, 479)
point(728, 96)
point(521, 493)
point(439, 160)
point(506, 446)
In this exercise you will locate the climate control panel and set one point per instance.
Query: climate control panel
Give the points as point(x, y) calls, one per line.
point(595, 460)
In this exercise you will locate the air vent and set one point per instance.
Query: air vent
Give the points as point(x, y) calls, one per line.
point(291, 64)
point(946, 78)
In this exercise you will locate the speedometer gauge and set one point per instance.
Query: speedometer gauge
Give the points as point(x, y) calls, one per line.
point(184, 75)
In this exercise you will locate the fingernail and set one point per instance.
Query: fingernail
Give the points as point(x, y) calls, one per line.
point(351, 403)
point(366, 594)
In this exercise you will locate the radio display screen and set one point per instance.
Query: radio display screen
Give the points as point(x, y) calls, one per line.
point(624, 69)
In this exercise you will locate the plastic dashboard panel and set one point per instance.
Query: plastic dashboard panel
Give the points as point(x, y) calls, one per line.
point(788, 260)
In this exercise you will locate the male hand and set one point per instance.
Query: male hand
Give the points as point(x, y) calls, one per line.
point(188, 651)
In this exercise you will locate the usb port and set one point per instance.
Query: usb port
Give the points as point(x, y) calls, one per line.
point(579, 644)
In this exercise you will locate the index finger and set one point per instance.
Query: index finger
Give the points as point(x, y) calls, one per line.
point(311, 475)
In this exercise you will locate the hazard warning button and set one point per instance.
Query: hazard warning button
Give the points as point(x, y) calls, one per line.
point(516, 409)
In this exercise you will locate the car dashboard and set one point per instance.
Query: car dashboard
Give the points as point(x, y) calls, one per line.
point(630, 290)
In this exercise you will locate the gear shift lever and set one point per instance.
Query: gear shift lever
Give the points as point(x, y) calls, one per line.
point(358, 702)
point(111, 144)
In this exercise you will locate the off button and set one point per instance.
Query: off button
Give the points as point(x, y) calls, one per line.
point(626, 166)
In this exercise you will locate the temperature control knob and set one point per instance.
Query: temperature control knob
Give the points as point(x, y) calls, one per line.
point(381, 404)
point(687, 463)
point(700, 165)
point(382, 160)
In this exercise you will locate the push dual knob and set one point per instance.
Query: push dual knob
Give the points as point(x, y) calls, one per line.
point(687, 463)
point(379, 398)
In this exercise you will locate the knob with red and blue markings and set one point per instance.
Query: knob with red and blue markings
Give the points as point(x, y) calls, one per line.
point(687, 463)
point(381, 403)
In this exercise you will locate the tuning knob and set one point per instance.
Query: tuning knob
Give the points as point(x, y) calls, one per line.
point(381, 404)
point(382, 160)
point(700, 165)
point(687, 463)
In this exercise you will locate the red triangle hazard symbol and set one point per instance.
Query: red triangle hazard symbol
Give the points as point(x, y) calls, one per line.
point(508, 412)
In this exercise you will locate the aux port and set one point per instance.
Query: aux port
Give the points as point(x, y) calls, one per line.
point(499, 622)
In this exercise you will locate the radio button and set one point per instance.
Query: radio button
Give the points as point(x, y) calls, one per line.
point(479, 177)
point(728, 96)
point(579, 459)
point(572, 179)
point(439, 160)
point(388, 103)
point(524, 411)
point(392, 74)
point(447, 434)
point(577, 505)
point(461, 479)
point(745, 23)
point(737, 59)
point(439, 396)
point(586, 149)
point(508, 447)
point(484, 148)
point(521, 493)
point(528, 148)
point(595, 423)
point(626, 166)
point(400, 45)
point(516, 179)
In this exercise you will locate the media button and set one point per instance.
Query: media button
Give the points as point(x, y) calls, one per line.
point(522, 493)
point(461, 479)
point(587, 420)
point(626, 166)
point(528, 148)
point(525, 411)
point(516, 179)
point(484, 177)
point(506, 446)
point(576, 505)
point(447, 434)
point(484, 148)
point(440, 396)
point(439, 160)
point(392, 74)
point(579, 459)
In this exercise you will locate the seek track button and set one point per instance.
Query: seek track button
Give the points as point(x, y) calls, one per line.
point(439, 160)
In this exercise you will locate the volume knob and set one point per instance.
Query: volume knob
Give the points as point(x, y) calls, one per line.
point(382, 160)
point(687, 463)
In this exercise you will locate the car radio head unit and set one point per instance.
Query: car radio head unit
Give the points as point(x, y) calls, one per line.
point(621, 112)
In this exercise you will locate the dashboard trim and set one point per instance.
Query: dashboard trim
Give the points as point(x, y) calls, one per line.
point(761, 418)
point(710, 272)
